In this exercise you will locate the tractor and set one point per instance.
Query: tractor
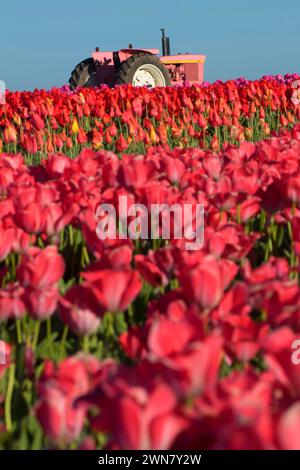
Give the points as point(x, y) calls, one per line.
point(139, 67)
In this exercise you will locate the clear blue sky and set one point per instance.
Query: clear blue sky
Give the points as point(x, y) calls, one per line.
point(41, 42)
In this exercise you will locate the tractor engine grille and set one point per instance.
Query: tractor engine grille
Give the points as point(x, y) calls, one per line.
point(191, 72)
point(186, 72)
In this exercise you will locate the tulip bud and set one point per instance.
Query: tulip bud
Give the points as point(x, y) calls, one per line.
point(215, 143)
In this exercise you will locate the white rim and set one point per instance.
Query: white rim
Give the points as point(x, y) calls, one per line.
point(148, 75)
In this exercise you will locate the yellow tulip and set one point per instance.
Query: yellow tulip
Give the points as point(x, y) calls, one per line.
point(75, 126)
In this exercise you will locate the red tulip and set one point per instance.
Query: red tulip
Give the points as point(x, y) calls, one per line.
point(114, 289)
point(30, 144)
point(150, 271)
point(141, 413)
point(167, 337)
point(37, 122)
point(136, 174)
point(41, 268)
point(288, 428)
point(121, 144)
point(30, 219)
point(6, 241)
point(174, 168)
point(41, 303)
point(56, 165)
point(203, 284)
point(88, 443)
point(61, 420)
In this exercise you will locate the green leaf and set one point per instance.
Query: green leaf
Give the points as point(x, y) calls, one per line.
point(42, 349)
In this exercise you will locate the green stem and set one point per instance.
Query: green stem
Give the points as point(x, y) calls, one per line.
point(8, 398)
point(71, 235)
point(49, 334)
point(84, 256)
point(19, 331)
point(86, 345)
point(238, 214)
point(64, 338)
point(36, 334)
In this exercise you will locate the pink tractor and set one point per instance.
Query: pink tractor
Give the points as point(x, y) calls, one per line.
point(139, 67)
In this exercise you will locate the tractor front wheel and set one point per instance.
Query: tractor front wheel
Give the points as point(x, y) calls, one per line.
point(84, 75)
point(143, 70)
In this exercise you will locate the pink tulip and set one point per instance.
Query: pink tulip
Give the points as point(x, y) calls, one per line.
point(78, 309)
point(12, 303)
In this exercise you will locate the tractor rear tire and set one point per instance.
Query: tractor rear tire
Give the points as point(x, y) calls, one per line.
point(143, 69)
point(84, 75)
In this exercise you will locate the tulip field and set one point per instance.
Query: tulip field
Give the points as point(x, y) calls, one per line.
point(126, 344)
point(128, 119)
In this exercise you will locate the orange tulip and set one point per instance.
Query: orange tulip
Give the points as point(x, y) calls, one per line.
point(10, 134)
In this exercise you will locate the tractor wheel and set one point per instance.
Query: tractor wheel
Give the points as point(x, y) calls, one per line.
point(143, 70)
point(84, 74)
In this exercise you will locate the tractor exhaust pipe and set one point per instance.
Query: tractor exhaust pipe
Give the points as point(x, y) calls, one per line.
point(165, 43)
